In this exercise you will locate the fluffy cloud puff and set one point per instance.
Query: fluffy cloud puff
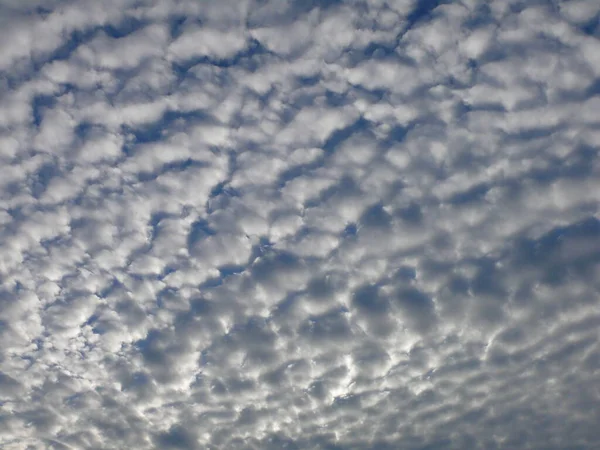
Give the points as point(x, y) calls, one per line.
point(301, 225)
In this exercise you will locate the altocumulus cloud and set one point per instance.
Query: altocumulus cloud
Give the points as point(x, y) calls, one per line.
point(299, 224)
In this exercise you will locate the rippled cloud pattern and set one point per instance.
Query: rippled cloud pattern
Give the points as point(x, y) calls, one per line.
point(284, 224)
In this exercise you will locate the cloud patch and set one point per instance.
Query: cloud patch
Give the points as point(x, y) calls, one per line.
point(327, 225)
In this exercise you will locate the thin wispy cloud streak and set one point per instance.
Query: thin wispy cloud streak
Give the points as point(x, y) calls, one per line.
point(349, 225)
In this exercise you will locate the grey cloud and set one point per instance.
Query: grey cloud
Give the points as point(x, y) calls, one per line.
point(320, 225)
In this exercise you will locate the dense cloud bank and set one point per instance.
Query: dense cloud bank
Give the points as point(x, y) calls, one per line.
point(299, 224)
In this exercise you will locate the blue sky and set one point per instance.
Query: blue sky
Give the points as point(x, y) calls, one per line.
point(315, 225)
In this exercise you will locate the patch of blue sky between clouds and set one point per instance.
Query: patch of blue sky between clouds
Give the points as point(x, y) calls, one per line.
point(304, 225)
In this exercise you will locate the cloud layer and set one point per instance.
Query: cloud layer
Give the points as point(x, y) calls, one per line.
point(299, 225)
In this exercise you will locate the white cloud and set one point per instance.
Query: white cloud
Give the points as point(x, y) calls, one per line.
point(201, 42)
point(299, 225)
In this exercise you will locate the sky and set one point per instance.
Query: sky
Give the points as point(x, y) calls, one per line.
point(311, 225)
